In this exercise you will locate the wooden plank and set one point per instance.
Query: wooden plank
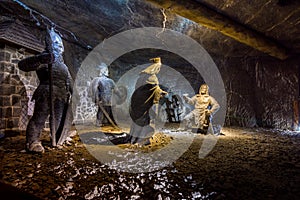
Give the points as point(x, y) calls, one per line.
point(211, 19)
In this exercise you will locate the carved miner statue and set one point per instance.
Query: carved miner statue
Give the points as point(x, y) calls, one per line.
point(52, 96)
point(205, 107)
point(101, 90)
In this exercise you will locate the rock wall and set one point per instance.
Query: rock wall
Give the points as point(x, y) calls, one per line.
point(16, 90)
point(84, 109)
point(260, 91)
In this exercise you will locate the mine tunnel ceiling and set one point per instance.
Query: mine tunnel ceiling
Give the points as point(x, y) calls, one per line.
point(223, 27)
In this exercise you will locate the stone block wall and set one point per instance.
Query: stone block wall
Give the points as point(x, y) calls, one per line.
point(16, 90)
point(84, 109)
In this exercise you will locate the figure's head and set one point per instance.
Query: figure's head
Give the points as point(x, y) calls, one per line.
point(103, 70)
point(57, 43)
point(156, 60)
point(203, 89)
point(154, 68)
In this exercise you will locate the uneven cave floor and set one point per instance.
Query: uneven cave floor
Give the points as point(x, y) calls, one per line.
point(243, 164)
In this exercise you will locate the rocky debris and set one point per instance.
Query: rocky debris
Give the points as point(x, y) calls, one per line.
point(157, 141)
point(244, 164)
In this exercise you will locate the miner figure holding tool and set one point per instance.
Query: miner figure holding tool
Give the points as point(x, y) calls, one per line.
point(106, 95)
point(52, 96)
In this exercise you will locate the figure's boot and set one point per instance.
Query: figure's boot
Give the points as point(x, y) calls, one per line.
point(35, 147)
point(34, 128)
point(183, 126)
point(98, 123)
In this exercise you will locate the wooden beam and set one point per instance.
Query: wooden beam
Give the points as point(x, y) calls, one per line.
point(211, 19)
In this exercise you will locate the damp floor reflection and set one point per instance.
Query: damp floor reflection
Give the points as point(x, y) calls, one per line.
point(244, 164)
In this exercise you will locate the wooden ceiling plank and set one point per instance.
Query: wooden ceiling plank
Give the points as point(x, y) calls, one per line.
point(211, 19)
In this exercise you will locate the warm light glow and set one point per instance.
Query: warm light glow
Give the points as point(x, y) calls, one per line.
point(230, 133)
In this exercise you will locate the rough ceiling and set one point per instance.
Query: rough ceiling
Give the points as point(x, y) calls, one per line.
point(279, 20)
point(224, 27)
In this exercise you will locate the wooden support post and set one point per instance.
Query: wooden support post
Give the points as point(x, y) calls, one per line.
point(209, 18)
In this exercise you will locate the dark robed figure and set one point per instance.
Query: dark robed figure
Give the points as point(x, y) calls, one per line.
point(147, 93)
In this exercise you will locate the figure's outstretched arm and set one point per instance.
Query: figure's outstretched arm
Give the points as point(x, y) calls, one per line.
point(188, 100)
point(34, 62)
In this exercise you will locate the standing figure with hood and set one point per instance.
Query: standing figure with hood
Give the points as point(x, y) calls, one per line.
point(147, 93)
point(61, 90)
point(205, 107)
